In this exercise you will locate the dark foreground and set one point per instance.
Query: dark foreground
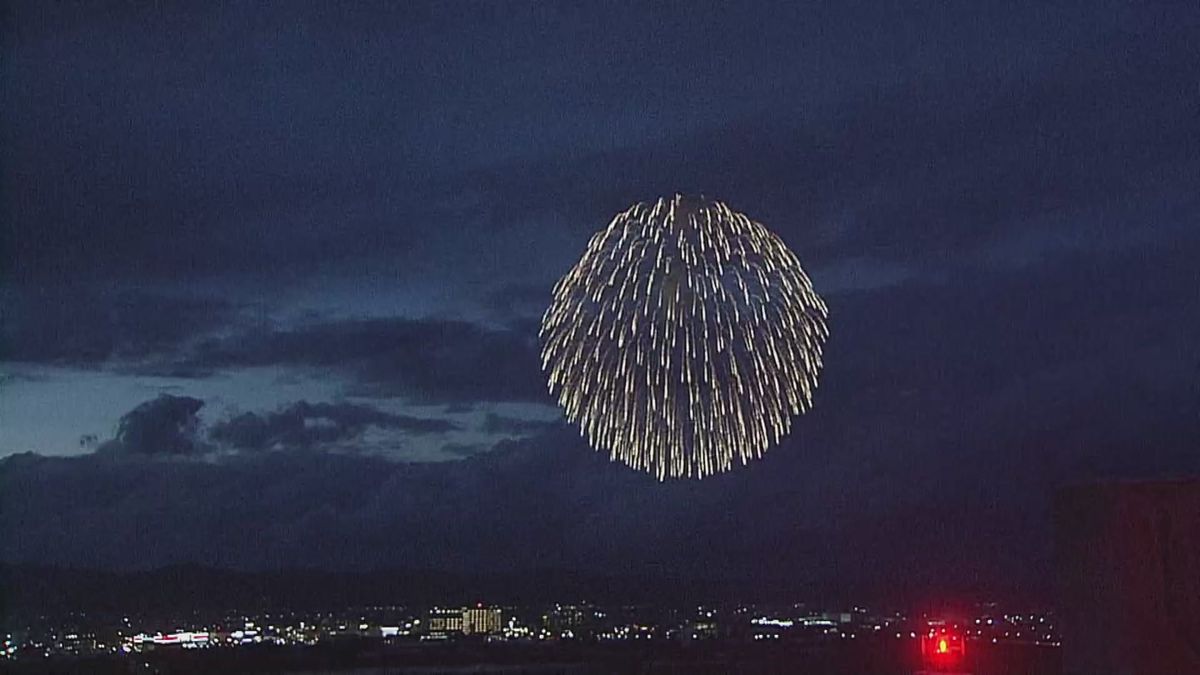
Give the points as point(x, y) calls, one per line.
point(367, 658)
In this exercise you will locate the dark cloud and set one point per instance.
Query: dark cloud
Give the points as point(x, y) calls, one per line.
point(550, 501)
point(932, 176)
point(188, 336)
point(1069, 375)
point(305, 425)
point(434, 360)
point(165, 426)
point(518, 302)
point(169, 426)
point(74, 326)
point(515, 426)
point(465, 449)
point(114, 172)
point(1077, 149)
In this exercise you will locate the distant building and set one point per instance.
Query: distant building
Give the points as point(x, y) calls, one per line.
point(565, 621)
point(701, 629)
point(1128, 554)
point(443, 622)
point(481, 620)
point(478, 620)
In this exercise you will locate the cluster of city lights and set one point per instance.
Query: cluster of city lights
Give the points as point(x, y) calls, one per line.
point(560, 622)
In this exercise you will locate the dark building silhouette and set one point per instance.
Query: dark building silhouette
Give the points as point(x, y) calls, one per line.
point(1129, 576)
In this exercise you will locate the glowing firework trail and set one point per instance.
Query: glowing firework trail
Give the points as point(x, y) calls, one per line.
point(685, 338)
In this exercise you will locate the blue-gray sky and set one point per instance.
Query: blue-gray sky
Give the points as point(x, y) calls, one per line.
point(286, 259)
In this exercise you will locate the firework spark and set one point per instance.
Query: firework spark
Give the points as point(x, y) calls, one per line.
point(685, 338)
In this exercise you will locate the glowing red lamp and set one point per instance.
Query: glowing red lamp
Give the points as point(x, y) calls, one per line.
point(943, 649)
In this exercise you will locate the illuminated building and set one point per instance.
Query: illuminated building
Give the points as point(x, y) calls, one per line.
point(478, 620)
point(445, 621)
point(569, 621)
point(481, 620)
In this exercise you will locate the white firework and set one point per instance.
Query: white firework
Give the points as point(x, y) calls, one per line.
point(685, 339)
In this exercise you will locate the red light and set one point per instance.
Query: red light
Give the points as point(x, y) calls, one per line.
point(942, 648)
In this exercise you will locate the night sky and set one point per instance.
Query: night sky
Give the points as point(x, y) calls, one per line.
point(272, 275)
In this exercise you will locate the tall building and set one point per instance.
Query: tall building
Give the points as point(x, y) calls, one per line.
point(480, 620)
point(1128, 556)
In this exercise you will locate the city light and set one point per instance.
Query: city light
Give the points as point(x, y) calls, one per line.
point(943, 643)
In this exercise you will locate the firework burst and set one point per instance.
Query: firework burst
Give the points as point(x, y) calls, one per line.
point(685, 339)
